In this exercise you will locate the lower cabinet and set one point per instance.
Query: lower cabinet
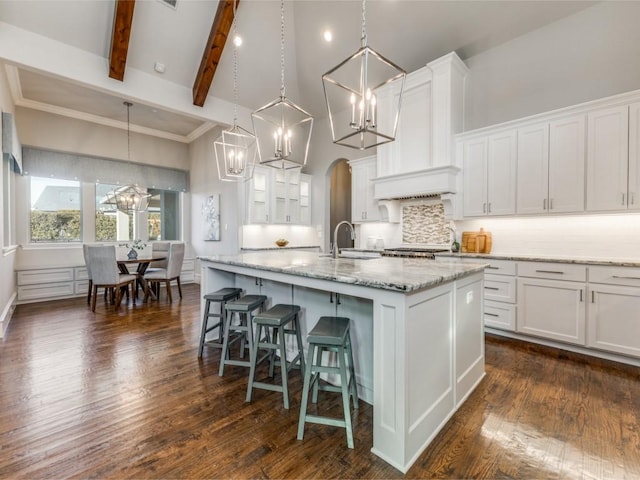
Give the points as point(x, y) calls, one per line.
point(552, 309)
point(613, 323)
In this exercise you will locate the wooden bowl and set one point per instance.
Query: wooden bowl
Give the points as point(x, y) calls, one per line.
point(282, 243)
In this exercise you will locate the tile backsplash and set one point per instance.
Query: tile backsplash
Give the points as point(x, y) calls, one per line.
point(425, 223)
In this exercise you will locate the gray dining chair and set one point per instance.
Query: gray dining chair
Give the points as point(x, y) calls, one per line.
point(105, 274)
point(160, 247)
point(167, 275)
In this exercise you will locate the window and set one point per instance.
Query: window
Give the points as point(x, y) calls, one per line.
point(111, 224)
point(163, 216)
point(55, 210)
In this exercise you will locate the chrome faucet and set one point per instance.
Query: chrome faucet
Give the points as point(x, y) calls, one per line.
point(335, 236)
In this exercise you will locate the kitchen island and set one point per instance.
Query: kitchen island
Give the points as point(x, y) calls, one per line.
point(416, 329)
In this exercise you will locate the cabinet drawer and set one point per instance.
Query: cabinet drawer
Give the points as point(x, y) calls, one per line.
point(188, 265)
point(615, 275)
point(500, 288)
point(501, 267)
point(500, 315)
point(553, 271)
point(50, 275)
point(49, 290)
point(81, 273)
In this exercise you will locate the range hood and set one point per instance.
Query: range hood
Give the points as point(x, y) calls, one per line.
point(421, 183)
point(11, 148)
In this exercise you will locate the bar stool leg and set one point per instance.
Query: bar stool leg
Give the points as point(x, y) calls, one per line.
point(316, 377)
point(296, 325)
point(284, 368)
point(253, 355)
point(305, 392)
point(225, 342)
point(342, 360)
point(352, 371)
point(203, 331)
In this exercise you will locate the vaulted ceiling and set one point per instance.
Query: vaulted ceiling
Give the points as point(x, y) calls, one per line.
point(71, 75)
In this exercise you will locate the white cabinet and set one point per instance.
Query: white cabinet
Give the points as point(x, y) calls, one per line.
point(614, 302)
point(551, 166)
point(258, 196)
point(489, 169)
point(633, 197)
point(500, 294)
point(364, 208)
point(550, 308)
point(278, 196)
point(607, 158)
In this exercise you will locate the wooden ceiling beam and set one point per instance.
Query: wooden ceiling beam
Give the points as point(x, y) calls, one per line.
point(213, 50)
point(122, 20)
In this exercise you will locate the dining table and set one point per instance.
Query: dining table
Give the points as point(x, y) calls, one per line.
point(142, 263)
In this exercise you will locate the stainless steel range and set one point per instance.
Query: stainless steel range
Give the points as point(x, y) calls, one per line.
point(416, 252)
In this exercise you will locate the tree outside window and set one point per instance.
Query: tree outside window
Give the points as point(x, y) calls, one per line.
point(55, 210)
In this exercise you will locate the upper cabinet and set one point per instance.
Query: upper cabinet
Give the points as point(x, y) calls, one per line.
point(607, 158)
point(421, 161)
point(278, 196)
point(489, 166)
point(364, 208)
point(633, 197)
point(551, 166)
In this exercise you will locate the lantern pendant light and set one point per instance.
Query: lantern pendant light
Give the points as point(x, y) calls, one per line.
point(235, 148)
point(282, 128)
point(129, 198)
point(353, 90)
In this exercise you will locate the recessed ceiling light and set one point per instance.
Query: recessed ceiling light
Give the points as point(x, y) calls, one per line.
point(328, 36)
point(237, 40)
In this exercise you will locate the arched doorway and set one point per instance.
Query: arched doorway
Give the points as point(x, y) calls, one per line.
point(340, 201)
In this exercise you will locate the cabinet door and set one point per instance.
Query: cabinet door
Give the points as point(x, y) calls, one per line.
point(474, 171)
point(501, 173)
point(364, 208)
point(633, 201)
point(286, 196)
point(552, 309)
point(258, 196)
point(613, 321)
point(533, 169)
point(566, 165)
point(607, 155)
point(305, 200)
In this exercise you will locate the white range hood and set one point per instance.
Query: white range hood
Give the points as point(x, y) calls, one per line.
point(421, 183)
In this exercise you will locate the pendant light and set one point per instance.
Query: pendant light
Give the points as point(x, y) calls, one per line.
point(282, 128)
point(353, 90)
point(129, 198)
point(235, 148)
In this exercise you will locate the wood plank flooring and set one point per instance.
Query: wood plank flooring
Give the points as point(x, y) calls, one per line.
point(123, 395)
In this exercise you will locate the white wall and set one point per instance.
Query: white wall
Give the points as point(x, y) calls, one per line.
point(8, 254)
point(589, 55)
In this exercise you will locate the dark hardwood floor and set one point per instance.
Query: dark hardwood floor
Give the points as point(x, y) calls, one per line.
point(123, 395)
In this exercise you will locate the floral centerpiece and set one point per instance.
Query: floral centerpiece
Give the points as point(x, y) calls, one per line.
point(136, 245)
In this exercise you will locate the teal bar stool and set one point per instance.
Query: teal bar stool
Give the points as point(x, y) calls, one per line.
point(244, 308)
point(330, 334)
point(221, 296)
point(278, 321)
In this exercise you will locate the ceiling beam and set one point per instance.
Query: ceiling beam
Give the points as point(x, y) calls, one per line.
point(122, 20)
point(213, 50)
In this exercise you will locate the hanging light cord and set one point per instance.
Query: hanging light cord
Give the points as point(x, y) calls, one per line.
point(282, 48)
point(235, 67)
point(364, 25)
point(128, 104)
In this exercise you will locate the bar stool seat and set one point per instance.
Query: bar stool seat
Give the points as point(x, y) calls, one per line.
point(243, 331)
point(221, 296)
point(330, 334)
point(274, 322)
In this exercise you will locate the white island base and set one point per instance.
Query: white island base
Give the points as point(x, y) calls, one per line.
point(419, 354)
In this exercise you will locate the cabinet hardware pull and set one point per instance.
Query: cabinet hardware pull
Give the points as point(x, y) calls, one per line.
point(544, 203)
point(484, 208)
point(623, 200)
point(338, 299)
point(330, 297)
point(492, 268)
point(550, 271)
point(581, 295)
point(489, 207)
point(491, 314)
point(626, 278)
point(551, 204)
point(491, 288)
point(593, 296)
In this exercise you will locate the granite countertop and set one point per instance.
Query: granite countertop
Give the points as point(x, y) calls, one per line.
point(610, 262)
point(397, 274)
point(261, 249)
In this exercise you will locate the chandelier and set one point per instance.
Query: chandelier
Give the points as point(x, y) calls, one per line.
point(128, 198)
point(353, 90)
point(235, 148)
point(283, 129)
